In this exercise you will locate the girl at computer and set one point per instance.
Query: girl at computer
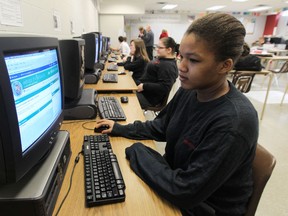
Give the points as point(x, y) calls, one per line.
point(210, 128)
point(159, 76)
point(137, 60)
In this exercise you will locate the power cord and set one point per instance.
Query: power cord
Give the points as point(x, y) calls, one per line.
point(75, 163)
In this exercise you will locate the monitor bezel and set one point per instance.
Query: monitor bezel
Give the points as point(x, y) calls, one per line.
point(16, 162)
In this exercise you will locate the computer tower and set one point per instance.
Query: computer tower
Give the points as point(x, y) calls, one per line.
point(36, 193)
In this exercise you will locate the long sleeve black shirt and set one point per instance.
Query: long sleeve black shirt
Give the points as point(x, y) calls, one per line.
point(137, 66)
point(158, 79)
point(209, 151)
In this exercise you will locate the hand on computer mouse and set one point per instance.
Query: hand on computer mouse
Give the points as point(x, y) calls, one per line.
point(104, 126)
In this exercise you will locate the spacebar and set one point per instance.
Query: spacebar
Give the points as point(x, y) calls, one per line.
point(117, 171)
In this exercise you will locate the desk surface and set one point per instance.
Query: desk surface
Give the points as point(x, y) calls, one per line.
point(140, 199)
point(125, 82)
point(274, 57)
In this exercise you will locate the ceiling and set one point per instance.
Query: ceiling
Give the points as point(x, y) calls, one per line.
point(199, 6)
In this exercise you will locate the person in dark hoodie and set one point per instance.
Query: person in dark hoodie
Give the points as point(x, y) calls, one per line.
point(210, 128)
point(137, 60)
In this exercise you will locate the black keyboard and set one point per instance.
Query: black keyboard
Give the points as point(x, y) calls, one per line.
point(111, 60)
point(110, 78)
point(109, 108)
point(112, 67)
point(104, 183)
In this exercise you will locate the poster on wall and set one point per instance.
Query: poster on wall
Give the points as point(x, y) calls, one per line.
point(249, 24)
point(10, 13)
point(56, 21)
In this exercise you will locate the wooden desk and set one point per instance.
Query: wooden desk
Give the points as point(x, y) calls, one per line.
point(140, 199)
point(278, 52)
point(125, 83)
point(269, 62)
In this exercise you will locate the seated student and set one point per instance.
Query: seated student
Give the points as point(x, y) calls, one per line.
point(211, 128)
point(248, 62)
point(124, 48)
point(137, 60)
point(159, 76)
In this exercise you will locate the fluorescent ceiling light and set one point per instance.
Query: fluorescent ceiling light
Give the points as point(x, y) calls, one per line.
point(261, 8)
point(169, 6)
point(217, 7)
point(239, 0)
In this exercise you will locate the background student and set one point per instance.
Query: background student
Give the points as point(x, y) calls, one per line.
point(124, 48)
point(137, 60)
point(164, 33)
point(159, 76)
point(247, 61)
point(148, 37)
point(211, 128)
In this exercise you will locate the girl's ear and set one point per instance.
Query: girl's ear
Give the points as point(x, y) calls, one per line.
point(169, 49)
point(226, 66)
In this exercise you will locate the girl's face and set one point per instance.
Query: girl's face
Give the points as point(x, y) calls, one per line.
point(162, 51)
point(132, 48)
point(198, 68)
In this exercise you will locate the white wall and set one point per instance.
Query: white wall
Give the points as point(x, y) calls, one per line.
point(176, 28)
point(112, 26)
point(37, 16)
point(175, 25)
point(282, 28)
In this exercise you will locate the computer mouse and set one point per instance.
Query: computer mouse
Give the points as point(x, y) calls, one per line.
point(101, 128)
point(124, 99)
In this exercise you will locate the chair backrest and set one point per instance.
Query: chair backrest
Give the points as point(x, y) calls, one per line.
point(263, 165)
point(243, 80)
point(283, 69)
point(160, 106)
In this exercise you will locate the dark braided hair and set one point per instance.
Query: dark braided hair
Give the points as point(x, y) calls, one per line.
point(223, 33)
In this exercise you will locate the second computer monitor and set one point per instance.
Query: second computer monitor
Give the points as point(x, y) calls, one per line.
point(92, 51)
point(72, 56)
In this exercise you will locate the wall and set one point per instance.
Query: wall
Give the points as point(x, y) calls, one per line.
point(282, 28)
point(37, 16)
point(176, 26)
point(112, 26)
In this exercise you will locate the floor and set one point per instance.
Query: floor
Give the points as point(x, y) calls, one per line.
point(274, 137)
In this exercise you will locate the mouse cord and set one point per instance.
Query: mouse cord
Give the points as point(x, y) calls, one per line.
point(63, 200)
point(84, 125)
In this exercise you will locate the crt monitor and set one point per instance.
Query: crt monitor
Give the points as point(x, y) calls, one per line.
point(106, 45)
point(72, 56)
point(100, 44)
point(91, 53)
point(31, 99)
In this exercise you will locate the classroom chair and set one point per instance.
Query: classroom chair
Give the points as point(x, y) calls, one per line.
point(263, 165)
point(243, 80)
point(279, 71)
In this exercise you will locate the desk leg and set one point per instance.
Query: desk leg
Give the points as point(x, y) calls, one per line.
point(284, 95)
point(267, 94)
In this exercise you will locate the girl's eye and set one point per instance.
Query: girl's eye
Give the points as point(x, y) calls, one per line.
point(193, 60)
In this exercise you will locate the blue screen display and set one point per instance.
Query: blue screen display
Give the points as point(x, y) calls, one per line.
point(36, 86)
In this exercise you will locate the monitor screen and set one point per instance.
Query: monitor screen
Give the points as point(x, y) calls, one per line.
point(100, 44)
point(36, 85)
point(96, 49)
